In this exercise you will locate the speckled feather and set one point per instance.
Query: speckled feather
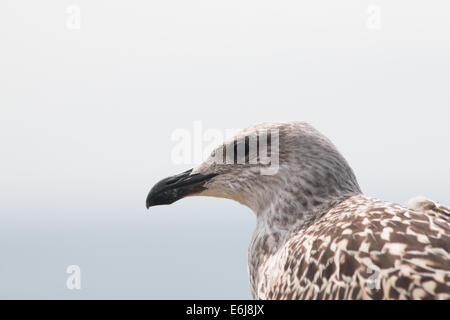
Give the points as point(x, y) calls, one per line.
point(362, 248)
point(318, 237)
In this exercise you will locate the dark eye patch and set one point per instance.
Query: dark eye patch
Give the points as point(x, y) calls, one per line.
point(269, 143)
point(247, 148)
point(235, 150)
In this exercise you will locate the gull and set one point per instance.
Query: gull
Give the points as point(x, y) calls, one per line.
point(317, 236)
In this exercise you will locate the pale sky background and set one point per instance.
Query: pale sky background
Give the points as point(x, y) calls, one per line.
point(86, 118)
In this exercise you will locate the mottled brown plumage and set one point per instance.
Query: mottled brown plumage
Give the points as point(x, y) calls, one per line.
point(363, 248)
point(317, 236)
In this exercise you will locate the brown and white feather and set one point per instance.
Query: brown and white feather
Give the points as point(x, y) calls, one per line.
point(318, 237)
point(362, 248)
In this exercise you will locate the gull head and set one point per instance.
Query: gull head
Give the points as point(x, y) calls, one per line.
point(264, 164)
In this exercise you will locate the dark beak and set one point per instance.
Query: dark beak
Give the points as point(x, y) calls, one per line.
point(174, 188)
